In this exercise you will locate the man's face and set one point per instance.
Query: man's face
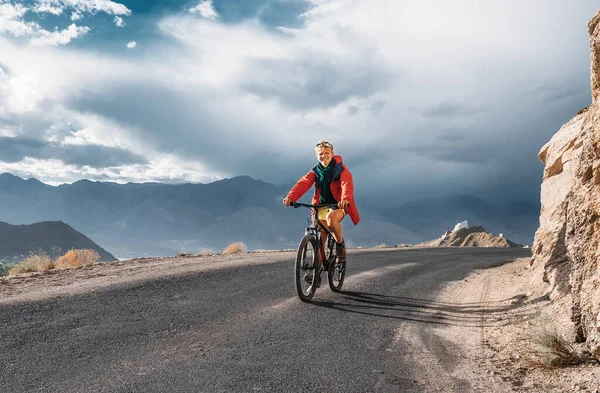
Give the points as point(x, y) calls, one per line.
point(324, 155)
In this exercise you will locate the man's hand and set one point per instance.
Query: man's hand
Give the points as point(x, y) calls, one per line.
point(287, 201)
point(343, 203)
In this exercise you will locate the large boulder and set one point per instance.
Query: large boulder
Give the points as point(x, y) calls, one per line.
point(566, 249)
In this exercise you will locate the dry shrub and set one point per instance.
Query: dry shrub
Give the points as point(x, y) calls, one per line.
point(235, 248)
point(35, 262)
point(549, 350)
point(75, 258)
point(205, 252)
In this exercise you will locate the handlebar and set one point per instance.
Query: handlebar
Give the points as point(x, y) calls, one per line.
point(329, 205)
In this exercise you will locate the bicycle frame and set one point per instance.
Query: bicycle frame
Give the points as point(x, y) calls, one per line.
point(316, 227)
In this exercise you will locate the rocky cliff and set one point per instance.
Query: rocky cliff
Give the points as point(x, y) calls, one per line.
point(566, 249)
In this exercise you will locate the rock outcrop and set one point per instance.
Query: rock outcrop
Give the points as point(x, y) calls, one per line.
point(566, 249)
point(475, 236)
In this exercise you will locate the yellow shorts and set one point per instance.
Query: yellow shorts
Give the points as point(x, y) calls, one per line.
point(322, 214)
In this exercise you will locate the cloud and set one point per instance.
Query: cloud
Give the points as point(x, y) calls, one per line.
point(131, 44)
point(82, 6)
point(313, 81)
point(16, 149)
point(205, 9)
point(119, 21)
point(61, 37)
point(452, 109)
point(418, 97)
point(13, 14)
point(47, 6)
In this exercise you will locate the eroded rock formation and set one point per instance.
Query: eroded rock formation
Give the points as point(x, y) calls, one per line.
point(475, 236)
point(566, 248)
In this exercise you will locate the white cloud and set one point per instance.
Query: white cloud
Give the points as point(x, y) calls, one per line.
point(12, 18)
point(205, 9)
point(119, 21)
point(131, 44)
point(87, 6)
point(47, 6)
point(60, 37)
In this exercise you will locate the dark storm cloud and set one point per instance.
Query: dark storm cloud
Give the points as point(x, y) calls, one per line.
point(449, 109)
point(171, 121)
point(314, 83)
point(94, 156)
point(14, 150)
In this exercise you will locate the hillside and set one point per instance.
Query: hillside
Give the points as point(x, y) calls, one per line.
point(47, 236)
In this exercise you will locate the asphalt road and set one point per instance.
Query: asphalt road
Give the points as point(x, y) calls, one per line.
point(239, 330)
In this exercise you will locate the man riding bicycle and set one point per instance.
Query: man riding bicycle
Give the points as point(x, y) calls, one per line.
point(333, 185)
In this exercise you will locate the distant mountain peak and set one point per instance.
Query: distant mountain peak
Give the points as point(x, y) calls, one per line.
point(9, 181)
point(6, 175)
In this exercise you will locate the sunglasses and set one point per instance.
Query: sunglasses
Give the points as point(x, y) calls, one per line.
point(325, 144)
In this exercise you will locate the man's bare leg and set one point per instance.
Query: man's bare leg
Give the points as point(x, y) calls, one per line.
point(334, 218)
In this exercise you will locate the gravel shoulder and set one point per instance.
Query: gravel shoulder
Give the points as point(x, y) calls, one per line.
point(514, 311)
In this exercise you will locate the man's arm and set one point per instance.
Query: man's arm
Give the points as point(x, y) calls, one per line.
point(303, 185)
point(347, 185)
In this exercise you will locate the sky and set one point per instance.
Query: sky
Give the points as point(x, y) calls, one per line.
point(420, 98)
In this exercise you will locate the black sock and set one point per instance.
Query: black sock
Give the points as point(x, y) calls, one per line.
point(341, 244)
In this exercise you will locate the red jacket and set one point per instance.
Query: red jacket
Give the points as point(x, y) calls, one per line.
point(342, 187)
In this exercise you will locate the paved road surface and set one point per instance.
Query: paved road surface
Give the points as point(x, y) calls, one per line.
point(242, 330)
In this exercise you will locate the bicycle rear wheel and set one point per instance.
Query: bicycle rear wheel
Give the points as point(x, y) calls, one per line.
point(335, 275)
point(306, 268)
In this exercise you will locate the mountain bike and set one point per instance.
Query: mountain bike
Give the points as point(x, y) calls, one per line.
point(313, 257)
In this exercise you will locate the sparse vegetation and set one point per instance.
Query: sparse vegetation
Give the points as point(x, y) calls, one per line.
point(549, 350)
point(40, 261)
point(75, 258)
point(205, 252)
point(235, 248)
point(4, 269)
point(35, 262)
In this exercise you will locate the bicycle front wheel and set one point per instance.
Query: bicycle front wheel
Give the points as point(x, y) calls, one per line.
point(335, 275)
point(306, 269)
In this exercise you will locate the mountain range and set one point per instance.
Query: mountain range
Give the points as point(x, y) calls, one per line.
point(155, 219)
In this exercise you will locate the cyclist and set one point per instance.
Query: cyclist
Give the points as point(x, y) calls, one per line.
point(333, 184)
